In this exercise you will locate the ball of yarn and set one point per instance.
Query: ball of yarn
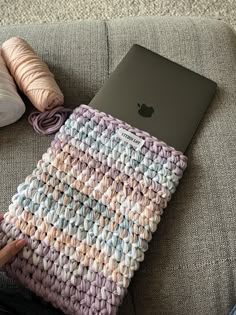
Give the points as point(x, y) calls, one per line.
point(50, 121)
point(31, 74)
point(11, 105)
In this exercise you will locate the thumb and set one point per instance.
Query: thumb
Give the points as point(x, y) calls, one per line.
point(10, 250)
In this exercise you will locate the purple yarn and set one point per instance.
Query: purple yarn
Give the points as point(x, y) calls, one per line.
point(49, 122)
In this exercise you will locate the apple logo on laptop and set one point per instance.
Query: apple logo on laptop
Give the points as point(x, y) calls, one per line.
point(145, 111)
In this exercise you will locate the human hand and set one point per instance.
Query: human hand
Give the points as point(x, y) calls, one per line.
point(10, 250)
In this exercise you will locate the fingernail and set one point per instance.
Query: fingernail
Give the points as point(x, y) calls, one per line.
point(20, 243)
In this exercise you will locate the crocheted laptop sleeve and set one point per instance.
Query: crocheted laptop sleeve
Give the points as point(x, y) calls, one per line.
point(88, 212)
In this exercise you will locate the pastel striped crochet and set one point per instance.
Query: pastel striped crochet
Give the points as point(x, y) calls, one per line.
point(88, 211)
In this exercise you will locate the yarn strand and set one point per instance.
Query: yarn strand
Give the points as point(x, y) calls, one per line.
point(49, 122)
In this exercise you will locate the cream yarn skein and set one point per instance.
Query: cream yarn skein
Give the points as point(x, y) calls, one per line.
point(11, 105)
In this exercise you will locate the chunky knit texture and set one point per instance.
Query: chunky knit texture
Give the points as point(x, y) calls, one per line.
point(88, 212)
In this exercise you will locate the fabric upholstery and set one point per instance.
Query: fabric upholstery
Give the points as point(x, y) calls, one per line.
point(190, 267)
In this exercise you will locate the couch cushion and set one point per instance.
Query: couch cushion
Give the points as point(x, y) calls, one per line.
point(190, 266)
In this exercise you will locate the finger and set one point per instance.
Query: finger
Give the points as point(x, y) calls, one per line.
point(1, 218)
point(10, 250)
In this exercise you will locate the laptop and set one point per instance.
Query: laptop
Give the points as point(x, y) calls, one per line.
point(157, 95)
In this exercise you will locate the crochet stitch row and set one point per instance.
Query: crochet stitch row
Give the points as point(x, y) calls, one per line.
point(88, 211)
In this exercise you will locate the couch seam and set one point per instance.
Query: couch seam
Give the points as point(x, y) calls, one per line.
point(109, 19)
point(132, 299)
point(194, 266)
point(108, 48)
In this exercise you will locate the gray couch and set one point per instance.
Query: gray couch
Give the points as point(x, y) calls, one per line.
point(190, 267)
